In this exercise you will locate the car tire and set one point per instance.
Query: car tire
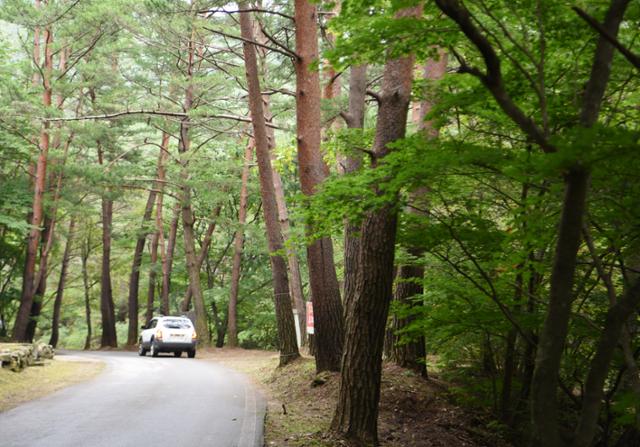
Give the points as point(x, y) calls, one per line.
point(154, 349)
point(177, 354)
point(141, 351)
point(191, 354)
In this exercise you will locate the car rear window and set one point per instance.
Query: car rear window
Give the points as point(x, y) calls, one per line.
point(177, 324)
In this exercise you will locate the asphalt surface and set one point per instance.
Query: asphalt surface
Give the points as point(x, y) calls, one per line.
point(143, 401)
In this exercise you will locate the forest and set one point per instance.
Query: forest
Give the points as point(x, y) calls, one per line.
point(453, 184)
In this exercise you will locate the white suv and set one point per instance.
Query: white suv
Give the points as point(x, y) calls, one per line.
point(168, 334)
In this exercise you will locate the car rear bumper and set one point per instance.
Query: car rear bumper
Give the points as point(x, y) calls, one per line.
point(171, 346)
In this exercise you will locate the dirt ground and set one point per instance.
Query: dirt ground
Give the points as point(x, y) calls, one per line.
point(414, 412)
point(39, 381)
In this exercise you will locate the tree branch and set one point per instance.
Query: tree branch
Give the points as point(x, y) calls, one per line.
point(286, 52)
point(492, 79)
point(237, 11)
point(108, 116)
point(593, 23)
point(375, 96)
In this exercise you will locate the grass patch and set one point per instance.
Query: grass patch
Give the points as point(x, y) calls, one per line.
point(413, 412)
point(39, 381)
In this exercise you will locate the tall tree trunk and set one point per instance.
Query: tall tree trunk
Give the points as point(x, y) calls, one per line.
point(134, 282)
point(409, 354)
point(325, 290)
point(37, 214)
point(109, 337)
point(86, 249)
point(544, 409)
point(232, 324)
point(57, 305)
point(40, 278)
point(412, 354)
point(204, 250)
point(134, 278)
point(153, 274)
point(284, 315)
point(295, 278)
point(107, 308)
point(188, 219)
point(355, 120)
point(162, 160)
point(48, 231)
point(167, 260)
point(356, 414)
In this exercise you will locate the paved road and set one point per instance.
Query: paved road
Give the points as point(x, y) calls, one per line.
point(142, 401)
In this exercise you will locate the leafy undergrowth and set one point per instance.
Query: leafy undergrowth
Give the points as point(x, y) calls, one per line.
point(38, 381)
point(413, 411)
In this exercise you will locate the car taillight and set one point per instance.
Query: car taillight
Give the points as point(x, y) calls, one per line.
point(194, 335)
point(159, 335)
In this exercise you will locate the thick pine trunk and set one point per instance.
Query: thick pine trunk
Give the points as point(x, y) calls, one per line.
point(49, 227)
point(412, 354)
point(284, 316)
point(57, 304)
point(85, 283)
point(232, 318)
point(356, 414)
point(295, 278)
point(37, 213)
point(352, 163)
point(134, 278)
point(107, 311)
point(40, 278)
point(325, 290)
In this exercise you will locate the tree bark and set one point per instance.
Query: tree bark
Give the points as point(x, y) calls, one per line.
point(167, 260)
point(48, 231)
point(232, 323)
point(355, 120)
point(204, 249)
point(107, 308)
point(86, 249)
point(325, 290)
point(37, 214)
point(284, 316)
point(188, 219)
point(109, 337)
point(57, 305)
point(356, 414)
point(162, 160)
point(412, 354)
point(153, 274)
point(40, 278)
point(409, 354)
point(134, 278)
point(295, 278)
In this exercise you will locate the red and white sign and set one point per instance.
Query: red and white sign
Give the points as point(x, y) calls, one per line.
point(309, 317)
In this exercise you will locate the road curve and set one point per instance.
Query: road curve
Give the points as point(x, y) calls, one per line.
point(142, 401)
